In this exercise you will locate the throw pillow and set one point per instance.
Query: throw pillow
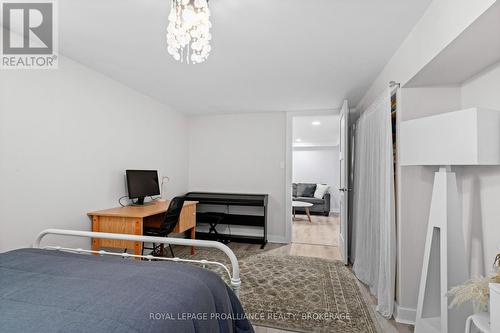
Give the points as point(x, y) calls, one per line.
point(294, 190)
point(321, 190)
point(306, 190)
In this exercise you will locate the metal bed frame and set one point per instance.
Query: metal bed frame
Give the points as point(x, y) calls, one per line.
point(234, 277)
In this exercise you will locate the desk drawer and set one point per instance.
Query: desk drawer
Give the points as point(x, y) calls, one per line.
point(187, 219)
point(116, 225)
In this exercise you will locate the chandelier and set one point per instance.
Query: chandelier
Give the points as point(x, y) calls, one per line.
point(188, 32)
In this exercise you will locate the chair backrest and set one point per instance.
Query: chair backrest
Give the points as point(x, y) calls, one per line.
point(172, 215)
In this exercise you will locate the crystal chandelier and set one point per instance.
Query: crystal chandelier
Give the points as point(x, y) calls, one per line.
point(188, 32)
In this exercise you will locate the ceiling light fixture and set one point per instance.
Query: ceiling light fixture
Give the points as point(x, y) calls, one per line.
point(188, 32)
point(316, 123)
point(298, 140)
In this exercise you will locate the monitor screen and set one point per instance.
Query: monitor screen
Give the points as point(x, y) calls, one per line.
point(142, 183)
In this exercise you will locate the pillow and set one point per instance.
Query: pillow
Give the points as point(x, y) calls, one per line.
point(306, 190)
point(294, 190)
point(321, 190)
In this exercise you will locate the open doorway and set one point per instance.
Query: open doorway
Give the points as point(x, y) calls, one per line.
point(315, 180)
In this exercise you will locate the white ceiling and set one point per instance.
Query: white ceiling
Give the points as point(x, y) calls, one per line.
point(316, 131)
point(266, 55)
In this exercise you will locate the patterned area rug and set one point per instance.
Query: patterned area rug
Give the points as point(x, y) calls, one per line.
point(298, 293)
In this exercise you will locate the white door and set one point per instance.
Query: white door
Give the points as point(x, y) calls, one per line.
point(344, 182)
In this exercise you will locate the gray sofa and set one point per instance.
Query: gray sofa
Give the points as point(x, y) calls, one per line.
point(305, 192)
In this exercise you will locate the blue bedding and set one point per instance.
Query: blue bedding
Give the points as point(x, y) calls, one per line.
point(52, 291)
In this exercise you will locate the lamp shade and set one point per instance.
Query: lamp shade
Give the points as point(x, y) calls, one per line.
point(465, 137)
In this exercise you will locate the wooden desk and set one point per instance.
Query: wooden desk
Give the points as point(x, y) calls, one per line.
point(132, 219)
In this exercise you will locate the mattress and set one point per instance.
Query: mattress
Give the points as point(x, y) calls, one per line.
point(53, 291)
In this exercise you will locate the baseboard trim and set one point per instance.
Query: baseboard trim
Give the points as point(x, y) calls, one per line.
point(405, 315)
point(276, 239)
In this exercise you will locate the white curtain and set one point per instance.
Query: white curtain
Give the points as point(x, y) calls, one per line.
point(374, 225)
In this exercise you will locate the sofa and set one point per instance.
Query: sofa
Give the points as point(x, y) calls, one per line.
point(305, 192)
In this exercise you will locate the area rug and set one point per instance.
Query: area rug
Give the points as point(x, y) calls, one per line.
point(299, 293)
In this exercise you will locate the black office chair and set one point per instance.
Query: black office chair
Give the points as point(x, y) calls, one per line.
point(166, 227)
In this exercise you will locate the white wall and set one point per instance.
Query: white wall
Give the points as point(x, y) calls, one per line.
point(481, 184)
point(442, 22)
point(318, 165)
point(66, 137)
point(479, 187)
point(414, 191)
point(242, 153)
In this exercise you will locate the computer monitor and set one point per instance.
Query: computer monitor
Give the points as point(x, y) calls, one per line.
point(142, 183)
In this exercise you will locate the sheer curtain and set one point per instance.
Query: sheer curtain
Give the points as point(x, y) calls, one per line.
point(374, 225)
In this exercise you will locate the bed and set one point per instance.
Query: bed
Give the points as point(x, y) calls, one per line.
point(57, 289)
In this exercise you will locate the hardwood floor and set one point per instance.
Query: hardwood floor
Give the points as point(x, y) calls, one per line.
point(323, 230)
point(320, 239)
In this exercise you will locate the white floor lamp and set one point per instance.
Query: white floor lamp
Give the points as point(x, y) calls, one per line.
point(466, 137)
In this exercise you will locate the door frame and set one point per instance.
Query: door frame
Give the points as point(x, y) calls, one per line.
point(344, 182)
point(289, 162)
